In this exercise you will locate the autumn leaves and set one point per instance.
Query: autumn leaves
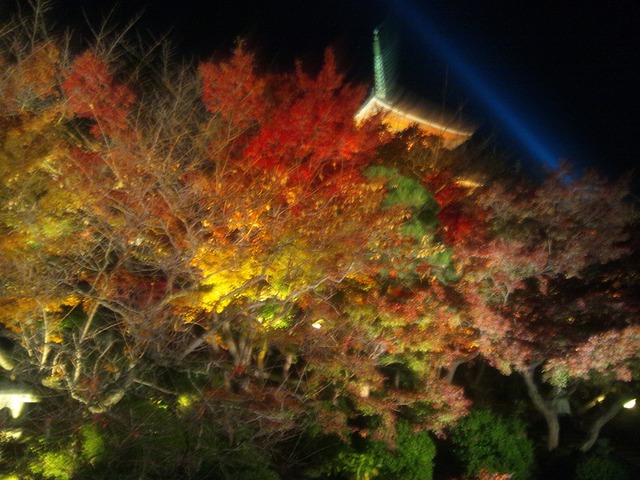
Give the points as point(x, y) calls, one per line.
point(239, 223)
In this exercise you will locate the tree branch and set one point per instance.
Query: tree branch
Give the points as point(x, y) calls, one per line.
point(598, 423)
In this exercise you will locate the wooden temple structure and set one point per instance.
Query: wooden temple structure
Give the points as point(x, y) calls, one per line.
point(400, 111)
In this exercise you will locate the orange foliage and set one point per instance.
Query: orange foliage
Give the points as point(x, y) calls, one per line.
point(233, 90)
point(93, 93)
point(310, 134)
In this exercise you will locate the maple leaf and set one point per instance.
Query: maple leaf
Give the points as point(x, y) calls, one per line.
point(233, 90)
point(94, 93)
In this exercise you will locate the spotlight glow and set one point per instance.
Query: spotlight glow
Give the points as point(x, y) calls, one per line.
point(630, 404)
point(501, 108)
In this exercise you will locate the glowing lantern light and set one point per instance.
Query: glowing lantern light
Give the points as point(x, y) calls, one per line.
point(630, 404)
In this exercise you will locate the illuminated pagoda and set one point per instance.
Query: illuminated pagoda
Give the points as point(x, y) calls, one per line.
point(400, 110)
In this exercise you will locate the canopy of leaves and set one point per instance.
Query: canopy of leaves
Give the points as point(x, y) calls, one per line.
point(223, 246)
point(183, 231)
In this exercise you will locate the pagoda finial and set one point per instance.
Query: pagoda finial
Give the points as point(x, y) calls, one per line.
point(380, 82)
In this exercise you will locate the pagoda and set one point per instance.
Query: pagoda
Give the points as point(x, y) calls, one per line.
point(400, 111)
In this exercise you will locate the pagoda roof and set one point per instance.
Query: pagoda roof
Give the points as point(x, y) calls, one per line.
point(400, 111)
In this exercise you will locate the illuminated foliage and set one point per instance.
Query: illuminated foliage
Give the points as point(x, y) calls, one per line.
point(220, 238)
point(93, 93)
point(411, 459)
point(535, 285)
point(492, 444)
point(228, 84)
point(226, 247)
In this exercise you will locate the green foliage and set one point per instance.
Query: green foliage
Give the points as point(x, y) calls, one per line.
point(157, 435)
point(498, 444)
point(79, 454)
point(358, 466)
point(600, 468)
point(244, 464)
point(415, 229)
point(275, 316)
point(407, 192)
point(59, 464)
point(404, 191)
point(422, 224)
point(411, 459)
point(93, 444)
point(442, 263)
point(165, 437)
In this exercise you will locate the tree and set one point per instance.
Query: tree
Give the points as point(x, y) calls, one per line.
point(173, 232)
point(225, 246)
point(533, 297)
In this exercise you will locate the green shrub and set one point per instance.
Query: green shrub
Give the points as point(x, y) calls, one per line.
point(93, 444)
point(600, 468)
point(355, 465)
point(412, 459)
point(497, 444)
point(57, 465)
point(63, 461)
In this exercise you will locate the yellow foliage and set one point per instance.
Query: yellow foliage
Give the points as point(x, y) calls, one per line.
point(57, 305)
point(36, 75)
point(291, 270)
point(24, 313)
point(216, 339)
point(55, 337)
point(223, 272)
point(14, 311)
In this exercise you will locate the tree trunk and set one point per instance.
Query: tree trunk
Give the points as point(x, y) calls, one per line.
point(453, 367)
point(288, 361)
point(553, 427)
point(451, 372)
point(548, 412)
point(598, 423)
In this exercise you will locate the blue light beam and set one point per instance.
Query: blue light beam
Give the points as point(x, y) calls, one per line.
point(473, 81)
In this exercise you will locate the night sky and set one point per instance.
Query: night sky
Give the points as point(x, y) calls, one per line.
point(564, 74)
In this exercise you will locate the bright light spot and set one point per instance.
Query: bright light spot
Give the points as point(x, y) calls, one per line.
point(15, 400)
point(10, 435)
point(600, 399)
point(630, 404)
point(317, 325)
point(185, 401)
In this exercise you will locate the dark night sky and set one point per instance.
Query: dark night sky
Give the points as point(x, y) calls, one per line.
point(567, 70)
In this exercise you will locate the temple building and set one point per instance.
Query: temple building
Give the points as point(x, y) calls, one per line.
point(400, 111)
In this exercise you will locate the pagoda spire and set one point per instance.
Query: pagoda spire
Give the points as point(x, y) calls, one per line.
point(379, 77)
point(399, 110)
